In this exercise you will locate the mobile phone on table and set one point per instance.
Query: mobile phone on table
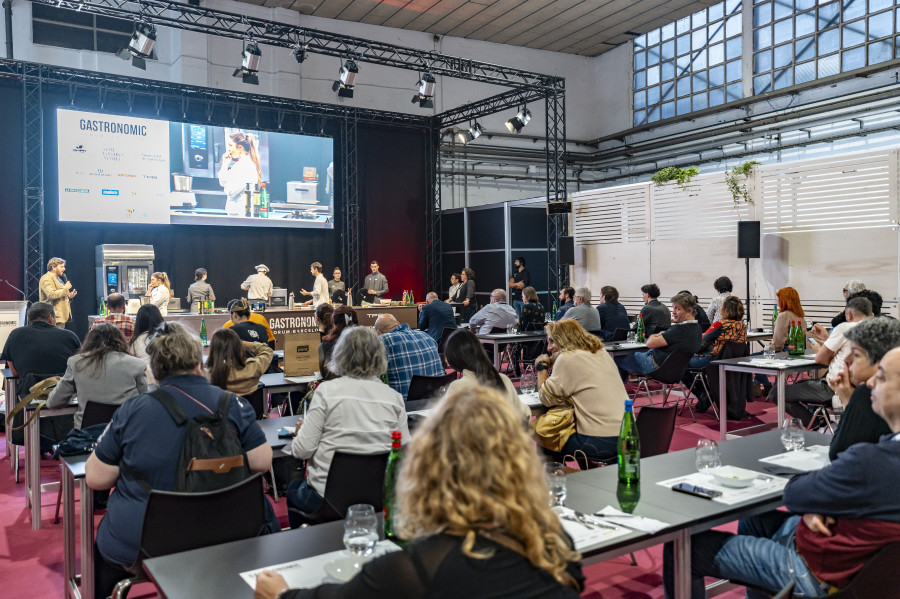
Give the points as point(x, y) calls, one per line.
point(696, 491)
point(286, 432)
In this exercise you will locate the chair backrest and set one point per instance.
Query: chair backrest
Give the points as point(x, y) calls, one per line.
point(786, 591)
point(257, 400)
point(672, 368)
point(877, 575)
point(497, 331)
point(656, 425)
point(424, 387)
point(352, 479)
point(177, 522)
point(97, 413)
point(620, 335)
point(444, 336)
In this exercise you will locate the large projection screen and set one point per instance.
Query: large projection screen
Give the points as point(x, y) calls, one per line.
point(126, 169)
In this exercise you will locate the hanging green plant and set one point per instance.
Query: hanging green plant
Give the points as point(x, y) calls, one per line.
point(736, 180)
point(682, 176)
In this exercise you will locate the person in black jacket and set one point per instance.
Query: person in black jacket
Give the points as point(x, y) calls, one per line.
point(480, 532)
point(613, 315)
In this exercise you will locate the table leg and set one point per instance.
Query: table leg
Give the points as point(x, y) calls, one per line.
point(8, 406)
point(87, 540)
point(682, 555)
point(27, 433)
point(496, 355)
point(723, 405)
point(68, 504)
point(781, 384)
point(33, 471)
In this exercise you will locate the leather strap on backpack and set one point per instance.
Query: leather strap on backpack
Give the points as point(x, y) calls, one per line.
point(39, 392)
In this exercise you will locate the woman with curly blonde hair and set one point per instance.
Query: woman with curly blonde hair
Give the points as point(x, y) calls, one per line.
point(472, 499)
point(578, 372)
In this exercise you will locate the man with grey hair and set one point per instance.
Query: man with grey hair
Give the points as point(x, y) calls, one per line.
point(851, 288)
point(869, 341)
point(435, 316)
point(354, 413)
point(831, 350)
point(583, 312)
point(408, 352)
point(496, 315)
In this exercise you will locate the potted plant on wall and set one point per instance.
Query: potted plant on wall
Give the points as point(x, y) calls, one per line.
point(736, 178)
point(682, 176)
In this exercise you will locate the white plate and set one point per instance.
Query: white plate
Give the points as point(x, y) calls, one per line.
point(344, 568)
point(731, 476)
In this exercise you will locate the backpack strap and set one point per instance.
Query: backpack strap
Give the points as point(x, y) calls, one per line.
point(225, 403)
point(171, 406)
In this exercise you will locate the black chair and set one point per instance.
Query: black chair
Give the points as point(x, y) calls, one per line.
point(699, 378)
point(876, 577)
point(669, 373)
point(444, 336)
point(257, 401)
point(787, 591)
point(175, 522)
point(656, 426)
point(424, 387)
point(738, 385)
point(352, 479)
point(620, 335)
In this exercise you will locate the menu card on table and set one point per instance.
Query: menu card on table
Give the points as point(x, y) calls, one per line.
point(764, 484)
point(804, 460)
point(779, 363)
point(310, 572)
point(586, 538)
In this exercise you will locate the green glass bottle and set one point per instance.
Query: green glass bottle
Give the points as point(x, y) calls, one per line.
point(103, 309)
point(553, 312)
point(639, 329)
point(391, 472)
point(801, 339)
point(629, 448)
point(203, 332)
point(264, 202)
point(792, 339)
point(628, 496)
point(774, 316)
point(412, 298)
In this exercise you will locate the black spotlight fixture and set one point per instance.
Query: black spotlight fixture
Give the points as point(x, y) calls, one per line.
point(471, 134)
point(249, 69)
point(426, 91)
point(140, 46)
point(299, 53)
point(518, 122)
point(347, 79)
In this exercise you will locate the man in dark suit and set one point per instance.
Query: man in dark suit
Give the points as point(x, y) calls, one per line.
point(435, 316)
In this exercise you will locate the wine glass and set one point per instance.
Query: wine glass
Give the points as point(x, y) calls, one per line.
point(360, 531)
point(528, 382)
point(792, 434)
point(707, 455)
point(556, 481)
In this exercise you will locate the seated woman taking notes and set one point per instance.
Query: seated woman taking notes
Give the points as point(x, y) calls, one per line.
point(472, 501)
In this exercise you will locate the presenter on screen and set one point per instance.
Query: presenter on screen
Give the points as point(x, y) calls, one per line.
point(56, 290)
point(240, 166)
point(376, 285)
point(259, 286)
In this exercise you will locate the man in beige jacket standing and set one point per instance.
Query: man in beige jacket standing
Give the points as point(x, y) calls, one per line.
point(57, 291)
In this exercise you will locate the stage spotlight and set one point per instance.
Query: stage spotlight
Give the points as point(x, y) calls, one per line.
point(473, 133)
point(426, 91)
point(299, 53)
point(140, 47)
point(249, 69)
point(344, 85)
point(518, 122)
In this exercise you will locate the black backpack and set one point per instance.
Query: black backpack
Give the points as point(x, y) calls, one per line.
point(211, 456)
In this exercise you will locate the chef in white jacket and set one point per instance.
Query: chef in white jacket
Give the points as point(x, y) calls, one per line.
point(240, 166)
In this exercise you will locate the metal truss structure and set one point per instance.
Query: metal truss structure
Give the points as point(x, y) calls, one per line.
point(280, 114)
point(33, 180)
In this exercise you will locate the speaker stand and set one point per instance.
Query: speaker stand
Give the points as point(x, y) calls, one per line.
point(747, 263)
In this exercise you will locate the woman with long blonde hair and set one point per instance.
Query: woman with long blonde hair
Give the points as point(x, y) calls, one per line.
point(240, 167)
point(472, 499)
point(160, 291)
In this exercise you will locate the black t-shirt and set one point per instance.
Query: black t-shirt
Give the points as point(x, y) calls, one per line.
point(436, 568)
point(859, 424)
point(681, 336)
point(251, 331)
point(520, 276)
point(39, 348)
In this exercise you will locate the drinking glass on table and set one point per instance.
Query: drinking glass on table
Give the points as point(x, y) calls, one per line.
point(360, 530)
point(631, 337)
point(707, 455)
point(769, 352)
point(528, 382)
point(792, 434)
point(556, 480)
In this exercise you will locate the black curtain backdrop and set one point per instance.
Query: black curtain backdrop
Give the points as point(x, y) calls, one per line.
point(393, 194)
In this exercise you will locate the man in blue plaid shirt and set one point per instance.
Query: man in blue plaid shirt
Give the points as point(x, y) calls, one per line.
point(409, 352)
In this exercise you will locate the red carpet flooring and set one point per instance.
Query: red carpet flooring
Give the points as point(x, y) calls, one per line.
point(31, 561)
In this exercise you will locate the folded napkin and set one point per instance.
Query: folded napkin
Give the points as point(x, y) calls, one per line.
point(615, 516)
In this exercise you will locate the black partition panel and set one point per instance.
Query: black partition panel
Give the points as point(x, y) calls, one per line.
point(528, 238)
point(486, 229)
point(453, 233)
point(490, 273)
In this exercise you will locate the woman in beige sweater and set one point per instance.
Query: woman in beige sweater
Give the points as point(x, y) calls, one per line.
point(578, 371)
point(229, 366)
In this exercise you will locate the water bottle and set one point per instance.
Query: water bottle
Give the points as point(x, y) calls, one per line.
point(629, 448)
point(390, 482)
point(203, 331)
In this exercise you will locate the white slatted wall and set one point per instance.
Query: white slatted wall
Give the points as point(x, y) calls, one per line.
point(612, 215)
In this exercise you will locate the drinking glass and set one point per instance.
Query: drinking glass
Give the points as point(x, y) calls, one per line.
point(769, 352)
point(707, 455)
point(792, 434)
point(528, 382)
point(631, 337)
point(509, 329)
point(548, 317)
point(556, 480)
point(360, 531)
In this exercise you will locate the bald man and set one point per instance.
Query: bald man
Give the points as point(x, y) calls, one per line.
point(435, 316)
point(408, 352)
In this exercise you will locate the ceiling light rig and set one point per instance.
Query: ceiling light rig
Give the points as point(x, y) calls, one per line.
point(473, 133)
point(251, 58)
point(346, 80)
point(426, 91)
point(299, 52)
point(518, 122)
point(140, 47)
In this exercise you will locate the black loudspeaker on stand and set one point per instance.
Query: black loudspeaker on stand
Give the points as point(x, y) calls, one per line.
point(748, 247)
point(566, 249)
